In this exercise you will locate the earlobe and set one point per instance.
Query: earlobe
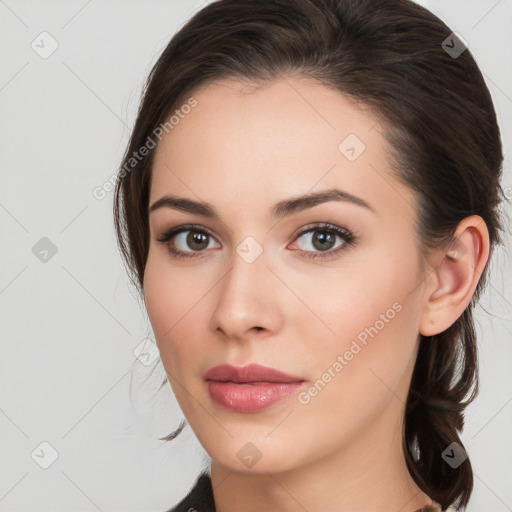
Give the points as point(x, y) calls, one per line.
point(456, 276)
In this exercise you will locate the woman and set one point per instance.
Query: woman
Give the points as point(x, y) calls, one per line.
point(307, 204)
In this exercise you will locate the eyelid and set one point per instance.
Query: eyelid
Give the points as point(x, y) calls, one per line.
point(322, 225)
point(184, 227)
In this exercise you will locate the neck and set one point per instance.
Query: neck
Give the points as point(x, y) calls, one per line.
point(369, 473)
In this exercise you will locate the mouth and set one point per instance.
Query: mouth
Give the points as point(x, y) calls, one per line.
point(250, 388)
point(253, 373)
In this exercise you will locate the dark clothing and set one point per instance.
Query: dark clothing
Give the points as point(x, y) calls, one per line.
point(200, 498)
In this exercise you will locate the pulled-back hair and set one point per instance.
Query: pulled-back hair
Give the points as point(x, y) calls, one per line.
point(392, 58)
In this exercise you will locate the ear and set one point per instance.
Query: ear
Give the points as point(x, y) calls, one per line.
point(453, 280)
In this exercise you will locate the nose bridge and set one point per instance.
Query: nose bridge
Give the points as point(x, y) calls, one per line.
point(244, 300)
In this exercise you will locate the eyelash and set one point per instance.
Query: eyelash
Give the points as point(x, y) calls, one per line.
point(348, 238)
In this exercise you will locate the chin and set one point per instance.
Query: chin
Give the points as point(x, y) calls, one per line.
point(253, 454)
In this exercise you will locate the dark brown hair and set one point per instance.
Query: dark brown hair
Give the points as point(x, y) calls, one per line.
point(440, 122)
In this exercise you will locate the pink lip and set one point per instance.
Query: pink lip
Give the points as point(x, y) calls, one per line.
point(249, 388)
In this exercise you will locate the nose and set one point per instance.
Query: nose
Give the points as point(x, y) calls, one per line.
point(246, 301)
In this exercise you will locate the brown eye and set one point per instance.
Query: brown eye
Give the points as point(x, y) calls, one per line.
point(321, 240)
point(186, 241)
point(196, 240)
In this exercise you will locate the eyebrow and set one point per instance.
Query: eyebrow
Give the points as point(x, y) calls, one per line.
point(281, 209)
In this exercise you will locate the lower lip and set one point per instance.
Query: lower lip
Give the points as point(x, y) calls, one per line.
point(250, 397)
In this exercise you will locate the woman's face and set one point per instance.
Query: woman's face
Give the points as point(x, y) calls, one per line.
point(340, 312)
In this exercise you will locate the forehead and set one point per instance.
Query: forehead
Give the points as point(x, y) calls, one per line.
point(248, 147)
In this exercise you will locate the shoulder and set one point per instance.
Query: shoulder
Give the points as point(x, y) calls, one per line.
point(199, 498)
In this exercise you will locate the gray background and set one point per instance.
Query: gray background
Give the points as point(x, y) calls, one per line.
point(71, 321)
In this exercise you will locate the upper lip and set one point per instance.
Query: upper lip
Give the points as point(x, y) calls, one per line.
point(250, 373)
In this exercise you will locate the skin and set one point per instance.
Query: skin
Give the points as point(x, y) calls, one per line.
point(242, 150)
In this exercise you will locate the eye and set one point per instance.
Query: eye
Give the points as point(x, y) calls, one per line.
point(192, 236)
point(322, 238)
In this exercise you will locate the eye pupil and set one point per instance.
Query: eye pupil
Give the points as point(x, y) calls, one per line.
point(197, 238)
point(322, 237)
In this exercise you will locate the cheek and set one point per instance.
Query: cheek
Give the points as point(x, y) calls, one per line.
point(354, 298)
point(177, 303)
point(168, 299)
point(363, 369)
point(371, 369)
point(369, 316)
point(158, 293)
